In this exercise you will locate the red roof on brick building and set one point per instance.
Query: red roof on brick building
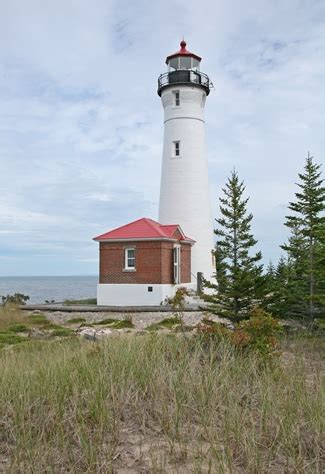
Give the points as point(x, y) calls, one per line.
point(144, 229)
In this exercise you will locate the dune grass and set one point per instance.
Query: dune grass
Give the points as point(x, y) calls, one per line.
point(167, 323)
point(76, 320)
point(17, 327)
point(85, 301)
point(116, 323)
point(159, 403)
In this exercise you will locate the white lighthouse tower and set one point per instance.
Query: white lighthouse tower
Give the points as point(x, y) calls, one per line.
point(184, 189)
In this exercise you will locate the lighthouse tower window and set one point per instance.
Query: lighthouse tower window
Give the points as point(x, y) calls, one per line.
point(177, 100)
point(177, 149)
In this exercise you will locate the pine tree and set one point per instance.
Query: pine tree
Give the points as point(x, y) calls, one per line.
point(239, 280)
point(279, 282)
point(306, 244)
point(270, 277)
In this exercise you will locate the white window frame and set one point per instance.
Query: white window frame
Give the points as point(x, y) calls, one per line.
point(127, 258)
point(176, 149)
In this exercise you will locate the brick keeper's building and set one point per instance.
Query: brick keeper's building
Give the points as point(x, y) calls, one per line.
point(142, 263)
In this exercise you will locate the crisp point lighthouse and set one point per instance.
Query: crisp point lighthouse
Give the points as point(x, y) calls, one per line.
point(142, 263)
point(184, 189)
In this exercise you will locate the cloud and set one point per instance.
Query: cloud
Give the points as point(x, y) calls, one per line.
point(81, 124)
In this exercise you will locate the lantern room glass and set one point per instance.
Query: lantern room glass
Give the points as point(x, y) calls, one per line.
point(183, 62)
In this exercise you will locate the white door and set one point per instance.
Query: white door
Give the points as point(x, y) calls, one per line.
point(177, 262)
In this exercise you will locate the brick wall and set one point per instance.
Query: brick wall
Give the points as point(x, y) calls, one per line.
point(153, 262)
point(185, 263)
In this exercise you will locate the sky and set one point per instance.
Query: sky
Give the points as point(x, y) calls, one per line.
point(81, 124)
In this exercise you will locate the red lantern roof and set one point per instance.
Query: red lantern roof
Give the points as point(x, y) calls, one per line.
point(144, 229)
point(183, 52)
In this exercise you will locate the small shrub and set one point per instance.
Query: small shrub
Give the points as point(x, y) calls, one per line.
point(212, 331)
point(178, 300)
point(16, 299)
point(259, 333)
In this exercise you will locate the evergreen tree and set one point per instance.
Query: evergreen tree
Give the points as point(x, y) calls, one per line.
point(279, 280)
point(270, 277)
point(239, 281)
point(306, 244)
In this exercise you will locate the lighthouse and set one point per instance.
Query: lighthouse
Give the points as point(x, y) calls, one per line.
point(143, 262)
point(184, 187)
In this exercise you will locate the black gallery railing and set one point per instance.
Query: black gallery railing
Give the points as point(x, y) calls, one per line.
point(184, 76)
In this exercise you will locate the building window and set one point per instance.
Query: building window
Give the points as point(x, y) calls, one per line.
point(177, 148)
point(129, 256)
point(177, 100)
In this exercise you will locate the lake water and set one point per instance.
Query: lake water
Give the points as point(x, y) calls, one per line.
point(58, 288)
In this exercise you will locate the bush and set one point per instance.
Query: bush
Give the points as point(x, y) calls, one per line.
point(258, 333)
point(16, 299)
point(211, 331)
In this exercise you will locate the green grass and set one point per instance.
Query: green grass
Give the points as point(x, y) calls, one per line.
point(116, 323)
point(18, 328)
point(159, 403)
point(105, 322)
point(13, 322)
point(37, 319)
point(167, 323)
point(62, 332)
point(7, 338)
point(87, 301)
point(122, 324)
point(76, 320)
point(40, 321)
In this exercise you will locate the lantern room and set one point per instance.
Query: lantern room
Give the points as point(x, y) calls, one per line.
point(183, 59)
point(183, 68)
